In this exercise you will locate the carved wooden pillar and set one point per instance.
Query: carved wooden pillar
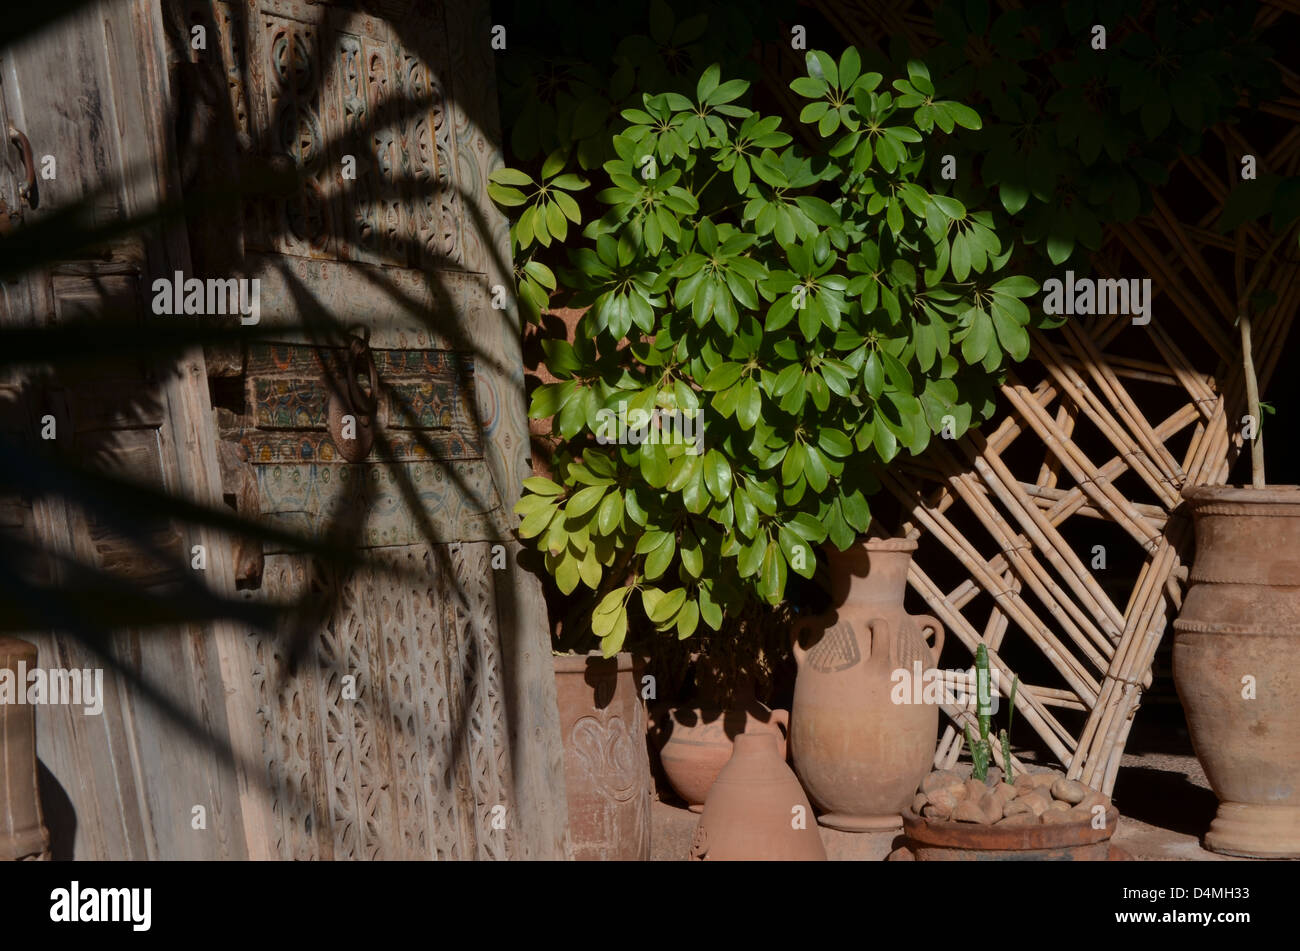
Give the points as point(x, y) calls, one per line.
point(23, 836)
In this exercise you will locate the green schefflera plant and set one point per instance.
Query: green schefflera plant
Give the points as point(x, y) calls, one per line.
point(545, 210)
point(813, 312)
point(981, 749)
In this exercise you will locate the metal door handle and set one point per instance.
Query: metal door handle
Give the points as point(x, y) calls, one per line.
point(27, 190)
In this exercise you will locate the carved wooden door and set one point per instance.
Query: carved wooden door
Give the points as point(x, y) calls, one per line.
point(82, 125)
point(395, 737)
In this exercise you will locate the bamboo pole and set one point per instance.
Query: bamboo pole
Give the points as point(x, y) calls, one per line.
point(1053, 547)
point(1049, 730)
point(1069, 667)
point(1095, 485)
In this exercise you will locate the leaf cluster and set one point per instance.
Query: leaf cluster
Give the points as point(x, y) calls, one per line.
point(809, 313)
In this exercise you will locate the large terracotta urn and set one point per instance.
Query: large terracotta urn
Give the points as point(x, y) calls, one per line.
point(1237, 664)
point(756, 810)
point(859, 754)
point(22, 828)
point(606, 761)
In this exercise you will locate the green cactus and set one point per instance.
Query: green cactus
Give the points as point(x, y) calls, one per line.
point(981, 750)
point(1006, 734)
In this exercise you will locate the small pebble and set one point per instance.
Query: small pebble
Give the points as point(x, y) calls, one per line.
point(919, 802)
point(1083, 810)
point(934, 812)
point(1036, 801)
point(1044, 779)
point(939, 779)
point(968, 811)
point(942, 799)
point(1025, 818)
point(1093, 798)
point(991, 805)
point(1069, 790)
point(1058, 817)
point(1017, 807)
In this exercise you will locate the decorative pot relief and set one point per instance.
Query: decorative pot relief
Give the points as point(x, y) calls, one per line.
point(607, 752)
point(860, 755)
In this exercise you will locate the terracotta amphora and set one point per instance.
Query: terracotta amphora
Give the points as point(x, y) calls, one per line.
point(859, 754)
point(22, 829)
point(1237, 664)
point(756, 810)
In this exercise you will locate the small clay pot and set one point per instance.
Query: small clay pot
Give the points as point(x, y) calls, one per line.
point(756, 810)
point(699, 744)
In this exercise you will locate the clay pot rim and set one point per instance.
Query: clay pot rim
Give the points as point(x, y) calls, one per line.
point(576, 663)
point(876, 544)
point(1243, 495)
point(16, 647)
point(976, 837)
point(755, 709)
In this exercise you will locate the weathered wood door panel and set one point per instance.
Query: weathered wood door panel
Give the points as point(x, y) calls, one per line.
point(124, 783)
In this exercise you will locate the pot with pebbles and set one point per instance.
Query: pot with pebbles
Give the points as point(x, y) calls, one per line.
point(1039, 817)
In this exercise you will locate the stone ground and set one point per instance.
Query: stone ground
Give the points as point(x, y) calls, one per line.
point(1164, 800)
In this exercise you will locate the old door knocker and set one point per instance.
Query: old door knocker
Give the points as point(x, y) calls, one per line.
point(352, 410)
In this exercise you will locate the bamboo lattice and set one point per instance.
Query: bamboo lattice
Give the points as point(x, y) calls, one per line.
point(1106, 422)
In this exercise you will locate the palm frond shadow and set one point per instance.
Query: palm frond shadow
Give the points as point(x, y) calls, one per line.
point(47, 353)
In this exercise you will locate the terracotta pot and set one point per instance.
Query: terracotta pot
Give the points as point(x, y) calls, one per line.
point(1237, 664)
point(860, 755)
point(931, 840)
point(606, 763)
point(699, 744)
point(22, 828)
point(756, 810)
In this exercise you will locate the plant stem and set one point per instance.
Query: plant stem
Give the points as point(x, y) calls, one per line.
point(1252, 402)
point(1247, 359)
point(1262, 264)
